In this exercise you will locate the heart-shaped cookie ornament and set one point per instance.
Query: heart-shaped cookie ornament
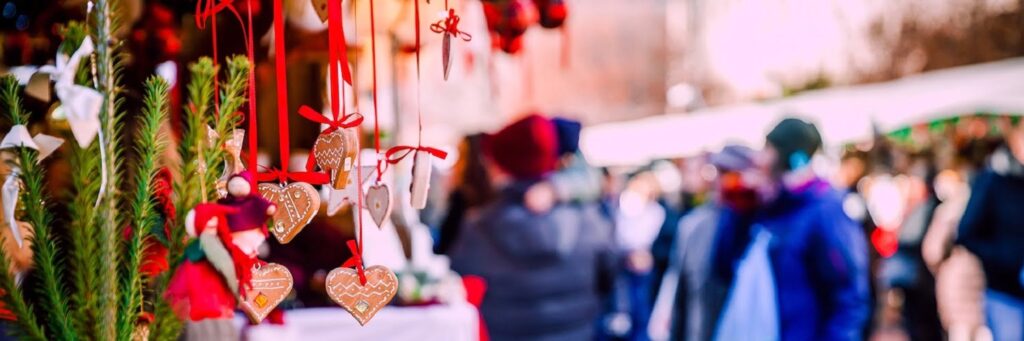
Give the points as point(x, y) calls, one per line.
point(335, 153)
point(297, 204)
point(378, 202)
point(271, 283)
point(362, 301)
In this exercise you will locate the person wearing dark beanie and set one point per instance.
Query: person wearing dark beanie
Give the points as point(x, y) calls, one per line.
point(541, 268)
point(795, 141)
point(817, 255)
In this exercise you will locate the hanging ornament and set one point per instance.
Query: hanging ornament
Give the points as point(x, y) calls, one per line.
point(361, 291)
point(378, 202)
point(335, 152)
point(297, 204)
point(449, 27)
point(508, 22)
point(351, 193)
point(271, 283)
point(233, 162)
point(421, 169)
point(552, 13)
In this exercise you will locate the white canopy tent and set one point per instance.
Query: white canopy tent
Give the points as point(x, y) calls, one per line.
point(844, 114)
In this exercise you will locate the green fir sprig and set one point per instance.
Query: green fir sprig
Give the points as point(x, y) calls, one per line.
point(49, 268)
point(149, 146)
point(26, 324)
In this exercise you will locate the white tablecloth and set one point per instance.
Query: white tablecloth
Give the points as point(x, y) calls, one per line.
point(454, 322)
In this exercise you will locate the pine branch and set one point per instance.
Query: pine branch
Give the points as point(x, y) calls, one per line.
point(194, 140)
point(12, 100)
point(225, 122)
point(25, 327)
point(48, 267)
point(187, 189)
point(150, 144)
point(83, 233)
point(107, 21)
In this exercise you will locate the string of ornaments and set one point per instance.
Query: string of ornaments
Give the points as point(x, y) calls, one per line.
point(226, 233)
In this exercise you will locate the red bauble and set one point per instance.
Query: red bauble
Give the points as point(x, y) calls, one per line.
point(552, 12)
point(508, 21)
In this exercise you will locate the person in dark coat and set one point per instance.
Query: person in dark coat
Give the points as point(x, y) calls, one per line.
point(992, 228)
point(541, 269)
point(818, 255)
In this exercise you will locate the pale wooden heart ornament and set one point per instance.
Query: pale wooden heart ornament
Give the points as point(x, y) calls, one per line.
point(271, 283)
point(378, 202)
point(297, 204)
point(362, 301)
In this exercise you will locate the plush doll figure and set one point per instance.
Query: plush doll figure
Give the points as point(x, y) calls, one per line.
point(219, 261)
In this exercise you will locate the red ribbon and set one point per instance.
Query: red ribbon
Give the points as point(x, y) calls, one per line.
point(356, 261)
point(349, 121)
point(450, 25)
point(280, 176)
point(397, 153)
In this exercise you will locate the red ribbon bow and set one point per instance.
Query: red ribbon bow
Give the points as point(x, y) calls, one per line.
point(450, 25)
point(272, 174)
point(348, 121)
point(397, 153)
point(356, 261)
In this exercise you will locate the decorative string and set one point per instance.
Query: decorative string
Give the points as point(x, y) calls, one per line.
point(376, 98)
point(419, 110)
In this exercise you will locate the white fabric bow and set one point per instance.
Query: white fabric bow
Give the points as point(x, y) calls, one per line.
point(80, 103)
point(9, 194)
point(20, 137)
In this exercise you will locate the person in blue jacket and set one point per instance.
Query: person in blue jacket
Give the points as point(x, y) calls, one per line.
point(818, 255)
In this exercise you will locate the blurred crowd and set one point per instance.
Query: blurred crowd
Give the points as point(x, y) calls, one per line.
point(898, 238)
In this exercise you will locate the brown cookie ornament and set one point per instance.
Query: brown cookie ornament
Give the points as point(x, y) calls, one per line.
point(271, 283)
point(297, 204)
point(362, 301)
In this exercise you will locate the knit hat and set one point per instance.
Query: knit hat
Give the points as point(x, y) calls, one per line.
point(733, 158)
point(526, 149)
point(568, 135)
point(796, 141)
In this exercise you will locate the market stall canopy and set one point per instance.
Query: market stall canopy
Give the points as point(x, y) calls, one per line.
point(843, 114)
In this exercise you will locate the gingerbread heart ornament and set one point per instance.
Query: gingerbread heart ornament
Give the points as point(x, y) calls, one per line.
point(335, 152)
point(378, 202)
point(271, 283)
point(362, 301)
point(297, 204)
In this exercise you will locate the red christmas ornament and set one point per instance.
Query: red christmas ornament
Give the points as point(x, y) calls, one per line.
point(552, 12)
point(508, 21)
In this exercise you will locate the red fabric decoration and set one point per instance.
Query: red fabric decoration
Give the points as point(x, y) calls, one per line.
point(197, 292)
point(526, 149)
